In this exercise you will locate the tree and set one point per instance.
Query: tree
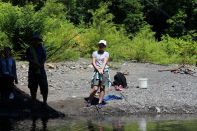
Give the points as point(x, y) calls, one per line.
point(168, 16)
point(129, 13)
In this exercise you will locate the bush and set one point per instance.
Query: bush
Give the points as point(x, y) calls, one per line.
point(4, 40)
point(183, 51)
point(65, 41)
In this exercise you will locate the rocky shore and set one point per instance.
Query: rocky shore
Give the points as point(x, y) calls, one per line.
point(69, 84)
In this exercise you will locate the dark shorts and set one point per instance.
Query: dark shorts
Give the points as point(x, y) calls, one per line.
point(35, 80)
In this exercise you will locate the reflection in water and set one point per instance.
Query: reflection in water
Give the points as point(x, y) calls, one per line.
point(90, 125)
point(142, 124)
point(100, 126)
point(108, 124)
point(95, 127)
point(117, 125)
point(34, 124)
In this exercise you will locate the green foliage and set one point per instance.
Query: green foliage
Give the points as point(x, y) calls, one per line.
point(8, 18)
point(67, 54)
point(174, 16)
point(146, 48)
point(183, 51)
point(130, 14)
point(4, 40)
point(103, 28)
point(57, 32)
point(72, 29)
point(53, 9)
point(176, 24)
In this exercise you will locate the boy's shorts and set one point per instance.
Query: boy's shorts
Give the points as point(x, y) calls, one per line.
point(99, 79)
point(36, 80)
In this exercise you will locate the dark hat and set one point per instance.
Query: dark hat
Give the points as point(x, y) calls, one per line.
point(36, 36)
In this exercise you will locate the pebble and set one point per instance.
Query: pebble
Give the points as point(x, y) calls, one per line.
point(90, 66)
point(50, 66)
point(72, 67)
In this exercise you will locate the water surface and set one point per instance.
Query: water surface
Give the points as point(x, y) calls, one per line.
point(102, 124)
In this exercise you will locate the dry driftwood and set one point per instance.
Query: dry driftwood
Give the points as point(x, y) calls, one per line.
point(182, 70)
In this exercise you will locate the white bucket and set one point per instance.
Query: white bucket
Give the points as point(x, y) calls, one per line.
point(143, 83)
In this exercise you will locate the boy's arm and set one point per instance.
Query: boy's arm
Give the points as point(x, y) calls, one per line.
point(105, 63)
point(94, 64)
point(94, 61)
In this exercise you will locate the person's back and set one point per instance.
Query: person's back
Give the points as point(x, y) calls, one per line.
point(8, 73)
point(1, 57)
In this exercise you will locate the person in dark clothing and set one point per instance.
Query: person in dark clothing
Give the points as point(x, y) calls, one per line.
point(36, 56)
point(1, 84)
point(8, 74)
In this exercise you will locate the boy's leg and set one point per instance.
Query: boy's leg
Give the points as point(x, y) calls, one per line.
point(44, 88)
point(33, 92)
point(10, 81)
point(8, 86)
point(11, 89)
point(33, 86)
point(92, 93)
point(45, 96)
point(102, 94)
point(104, 83)
point(95, 83)
point(3, 89)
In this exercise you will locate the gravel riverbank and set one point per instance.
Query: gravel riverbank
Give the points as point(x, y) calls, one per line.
point(69, 84)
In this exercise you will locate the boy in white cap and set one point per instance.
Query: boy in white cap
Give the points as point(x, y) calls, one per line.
point(101, 72)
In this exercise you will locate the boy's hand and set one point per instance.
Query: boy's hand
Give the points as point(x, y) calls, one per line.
point(100, 71)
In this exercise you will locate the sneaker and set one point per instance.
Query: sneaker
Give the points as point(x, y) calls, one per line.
point(100, 105)
point(11, 96)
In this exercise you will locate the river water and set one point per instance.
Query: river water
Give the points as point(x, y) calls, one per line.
point(132, 123)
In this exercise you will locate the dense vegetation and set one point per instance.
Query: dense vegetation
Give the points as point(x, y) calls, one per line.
point(156, 31)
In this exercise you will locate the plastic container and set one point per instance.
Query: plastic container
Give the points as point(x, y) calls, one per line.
point(143, 83)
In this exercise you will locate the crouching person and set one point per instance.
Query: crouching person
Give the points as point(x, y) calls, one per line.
point(120, 81)
point(36, 56)
point(101, 72)
point(8, 74)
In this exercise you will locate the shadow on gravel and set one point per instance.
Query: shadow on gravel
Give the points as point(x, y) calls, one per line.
point(21, 107)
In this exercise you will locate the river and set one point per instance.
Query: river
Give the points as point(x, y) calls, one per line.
point(132, 123)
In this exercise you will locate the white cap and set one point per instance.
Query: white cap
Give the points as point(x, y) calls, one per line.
point(103, 42)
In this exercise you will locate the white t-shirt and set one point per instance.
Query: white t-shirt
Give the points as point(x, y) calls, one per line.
point(100, 58)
